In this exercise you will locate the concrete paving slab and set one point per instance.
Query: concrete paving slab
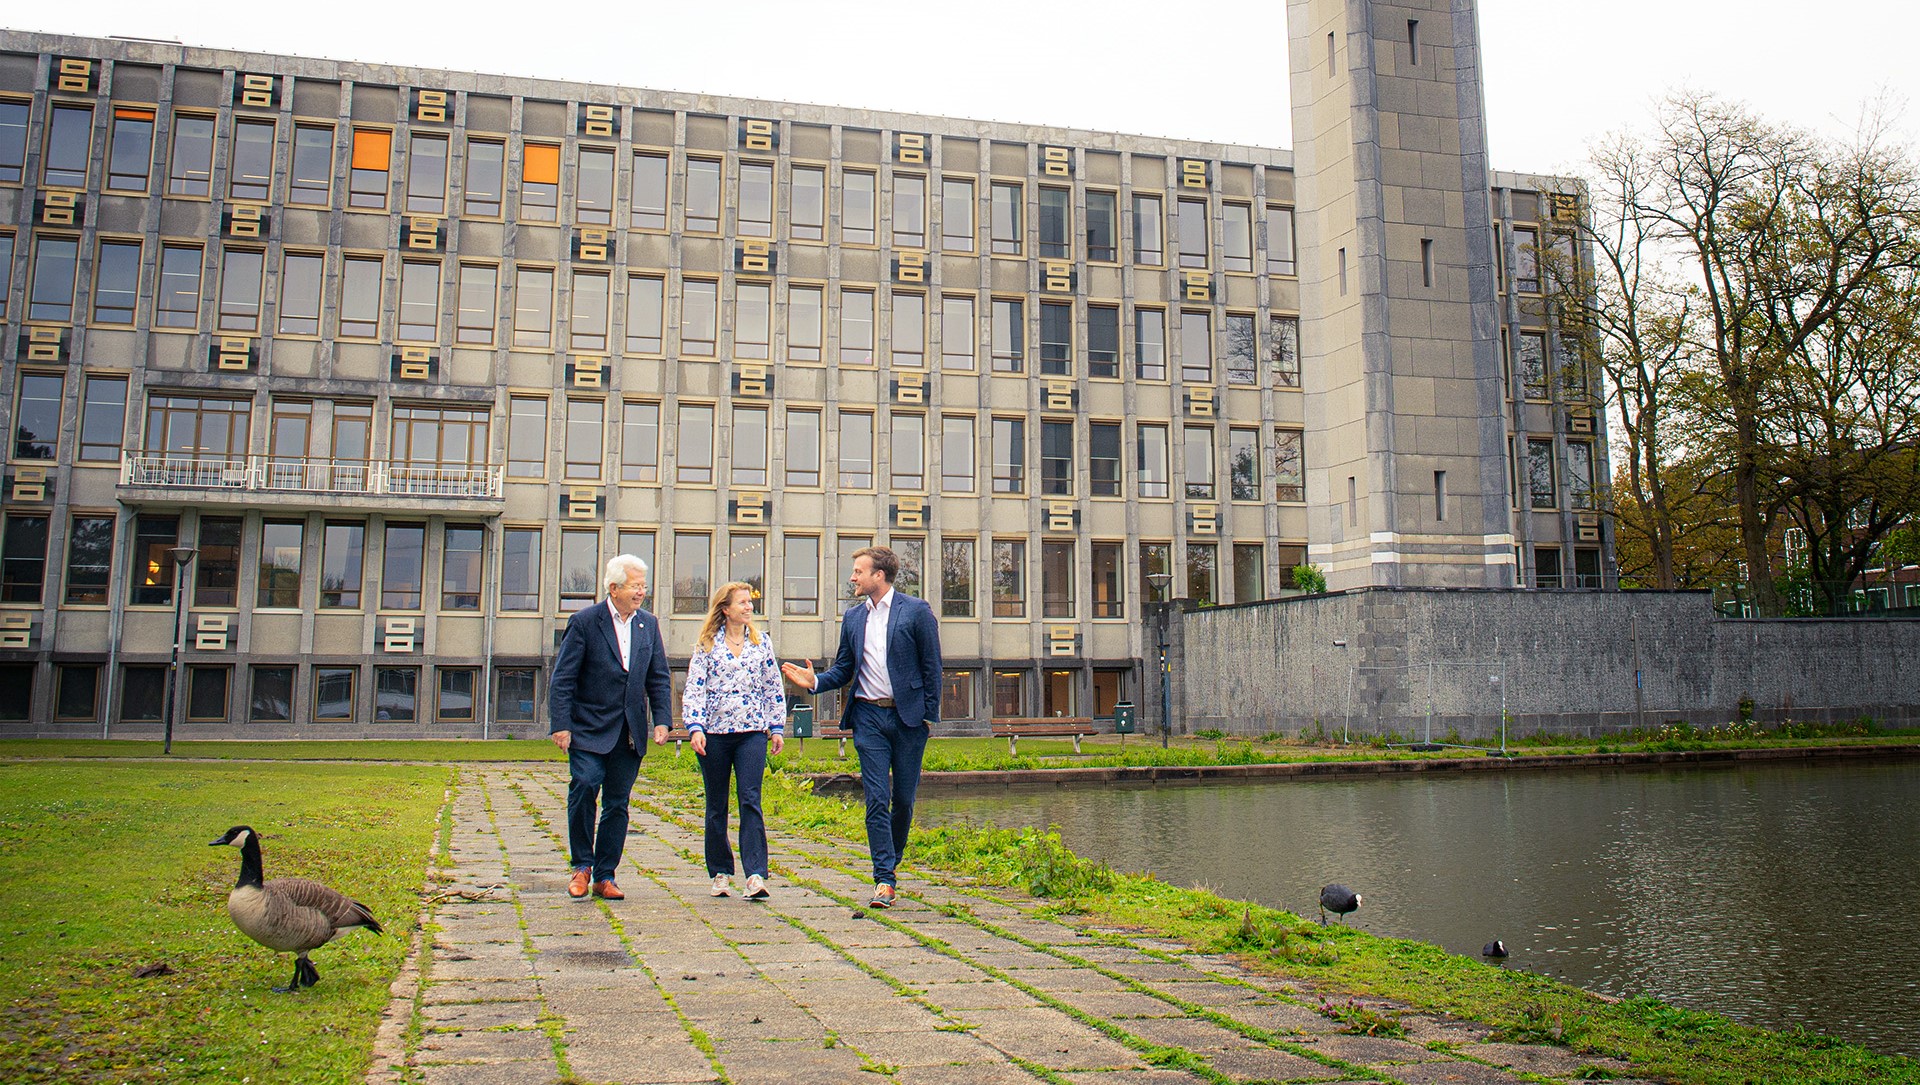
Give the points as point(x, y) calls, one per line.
point(1452, 1072)
point(500, 990)
point(978, 994)
point(1262, 1064)
point(974, 1073)
point(499, 1073)
point(1064, 980)
point(1283, 1019)
point(793, 1064)
point(1186, 1033)
point(1051, 1039)
point(606, 1060)
point(480, 1015)
point(1374, 1050)
point(493, 968)
point(1538, 1058)
point(918, 1048)
point(485, 1046)
point(1128, 1004)
point(1136, 1076)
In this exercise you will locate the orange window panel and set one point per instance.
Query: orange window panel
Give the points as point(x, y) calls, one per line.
point(541, 162)
point(133, 112)
point(372, 150)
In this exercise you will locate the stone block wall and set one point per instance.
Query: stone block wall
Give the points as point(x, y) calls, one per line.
point(1442, 662)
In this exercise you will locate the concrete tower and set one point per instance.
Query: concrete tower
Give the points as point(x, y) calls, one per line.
point(1399, 340)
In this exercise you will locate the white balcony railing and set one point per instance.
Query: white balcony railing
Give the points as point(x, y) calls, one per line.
point(275, 474)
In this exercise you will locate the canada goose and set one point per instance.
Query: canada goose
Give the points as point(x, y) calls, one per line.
point(1339, 900)
point(288, 915)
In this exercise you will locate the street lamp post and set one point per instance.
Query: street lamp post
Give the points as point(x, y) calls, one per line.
point(1160, 582)
point(1346, 724)
point(182, 557)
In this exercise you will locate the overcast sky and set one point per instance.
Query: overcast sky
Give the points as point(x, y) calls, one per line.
point(1558, 72)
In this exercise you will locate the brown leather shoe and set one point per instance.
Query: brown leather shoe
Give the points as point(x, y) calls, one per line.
point(577, 887)
point(608, 891)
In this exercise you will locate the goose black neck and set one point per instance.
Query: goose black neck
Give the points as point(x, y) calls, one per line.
point(250, 870)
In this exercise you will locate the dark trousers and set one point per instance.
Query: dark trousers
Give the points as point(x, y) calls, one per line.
point(743, 757)
point(607, 777)
point(890, 755)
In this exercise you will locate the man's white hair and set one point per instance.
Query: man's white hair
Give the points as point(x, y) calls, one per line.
point(621, 566)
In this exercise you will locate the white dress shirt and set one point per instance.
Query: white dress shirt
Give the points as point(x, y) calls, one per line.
point(875, 684)
point(623, 634)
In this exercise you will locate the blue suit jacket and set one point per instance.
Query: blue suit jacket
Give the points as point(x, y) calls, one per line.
point(913, 657)
point(597, 699)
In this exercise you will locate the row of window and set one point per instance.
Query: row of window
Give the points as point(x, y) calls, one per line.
point(193, 436)
point(339, 582)
point(202, 429)
point(1008, 449)
point(450, 698)
point(207, 691)
point(359, 282)
point(483, 193)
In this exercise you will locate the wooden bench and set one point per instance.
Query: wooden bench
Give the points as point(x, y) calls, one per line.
point(677, 734)
point(834, 729)
point(828, 729)
point(1015, 729)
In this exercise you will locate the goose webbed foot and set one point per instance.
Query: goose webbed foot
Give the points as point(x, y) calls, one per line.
point(304, 975)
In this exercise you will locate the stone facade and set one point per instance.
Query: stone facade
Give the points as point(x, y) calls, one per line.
point(404, 355)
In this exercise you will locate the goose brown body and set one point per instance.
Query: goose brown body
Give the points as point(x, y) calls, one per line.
point(288, 915)
point(295, 915)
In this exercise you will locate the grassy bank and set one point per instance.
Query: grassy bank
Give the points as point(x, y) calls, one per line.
point(1212, 748)
point(105, 871)
point(1659, 1040)
point(960, 754)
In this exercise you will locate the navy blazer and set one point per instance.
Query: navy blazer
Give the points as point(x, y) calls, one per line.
point(592, 696)
point(913, 657)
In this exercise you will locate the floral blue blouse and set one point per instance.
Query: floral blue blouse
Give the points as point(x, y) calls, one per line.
point(726, 695)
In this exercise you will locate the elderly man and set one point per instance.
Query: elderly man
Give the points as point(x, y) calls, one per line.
point(609, 680)
point(890, 655)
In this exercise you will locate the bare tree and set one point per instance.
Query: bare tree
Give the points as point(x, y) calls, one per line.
point(1780, 236)
point(1636, 328)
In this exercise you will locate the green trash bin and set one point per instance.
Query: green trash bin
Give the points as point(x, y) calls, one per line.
point(801, 726)
point(1123, 718)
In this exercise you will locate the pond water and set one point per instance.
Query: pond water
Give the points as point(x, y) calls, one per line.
point(1779, 895)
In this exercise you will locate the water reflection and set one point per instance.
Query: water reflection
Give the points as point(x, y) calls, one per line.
point(1778, 895)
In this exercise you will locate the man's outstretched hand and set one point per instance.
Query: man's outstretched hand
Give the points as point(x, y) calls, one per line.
point(800, 674)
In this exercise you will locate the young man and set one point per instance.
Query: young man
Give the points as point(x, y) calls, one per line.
point(608, 680)
point(890, 654)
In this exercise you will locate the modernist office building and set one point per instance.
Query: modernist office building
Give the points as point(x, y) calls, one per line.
point(360, 373)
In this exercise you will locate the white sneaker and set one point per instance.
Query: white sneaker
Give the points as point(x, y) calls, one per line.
point(722, 885)
point(756, 887)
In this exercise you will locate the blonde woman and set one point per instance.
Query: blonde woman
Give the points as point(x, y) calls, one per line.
point(735, 710)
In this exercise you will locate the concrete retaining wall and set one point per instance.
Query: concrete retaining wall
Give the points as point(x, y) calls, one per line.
point(1418, 662)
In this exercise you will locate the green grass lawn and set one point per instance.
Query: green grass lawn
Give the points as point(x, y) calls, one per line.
point(105, 869)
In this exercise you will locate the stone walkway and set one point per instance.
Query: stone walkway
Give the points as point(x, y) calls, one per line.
point(514, 982)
